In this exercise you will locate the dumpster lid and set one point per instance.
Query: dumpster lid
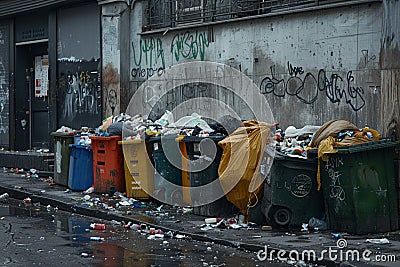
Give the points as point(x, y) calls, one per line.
point(62, 134)
point(384, 143)
point(131, 141)
point(197, 139)
point(80, 146)
point(159, 137)
point(105, 138)
point(282, 156)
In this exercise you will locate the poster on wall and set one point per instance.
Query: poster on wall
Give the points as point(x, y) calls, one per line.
point(41, 75)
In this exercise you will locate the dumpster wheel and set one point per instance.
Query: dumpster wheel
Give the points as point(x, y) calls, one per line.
point(281, 216)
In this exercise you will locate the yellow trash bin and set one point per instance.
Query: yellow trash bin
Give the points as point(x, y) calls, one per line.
point(139, 170)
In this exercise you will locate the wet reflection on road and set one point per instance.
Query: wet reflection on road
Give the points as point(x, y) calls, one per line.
point(118, 246)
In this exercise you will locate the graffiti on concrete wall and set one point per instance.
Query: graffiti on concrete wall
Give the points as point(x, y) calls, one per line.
point(189, 45)
point(307, 87)
point(149, 55)
point(4, 100)
point(110, 81)
point(4, 85)
point(150, 52)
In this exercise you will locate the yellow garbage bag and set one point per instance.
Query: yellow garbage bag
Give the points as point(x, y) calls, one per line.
point(238, 170)
point(327, 145)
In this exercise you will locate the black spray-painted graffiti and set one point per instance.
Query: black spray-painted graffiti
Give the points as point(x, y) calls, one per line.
point(307, 88)
point(189, 45)
point(81, 94)
point(146, 72)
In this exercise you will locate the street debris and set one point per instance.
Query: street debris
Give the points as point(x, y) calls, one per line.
point(96, 238)
point(378, 241)
point(98, 226)
point(89, 190)
point(4, 197)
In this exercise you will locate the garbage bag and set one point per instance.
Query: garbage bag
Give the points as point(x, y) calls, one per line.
point(165, 119)
point(326, 143)
point(331, 128)
point(238, 170)
point(115, 128)
point(192, 121)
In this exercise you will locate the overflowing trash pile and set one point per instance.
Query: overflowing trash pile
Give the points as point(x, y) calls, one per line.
point(292, 142)
point(81, 137)
point(136, 127)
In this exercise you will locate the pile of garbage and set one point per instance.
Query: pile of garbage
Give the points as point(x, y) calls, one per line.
point(81, 137)
point(296, 142)
point(136, 127)
point(226, 223)
point(293, 141)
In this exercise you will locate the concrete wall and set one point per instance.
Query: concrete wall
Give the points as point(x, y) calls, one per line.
point(311, 66)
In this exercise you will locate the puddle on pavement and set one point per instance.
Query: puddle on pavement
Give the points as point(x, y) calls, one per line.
point(127, 248)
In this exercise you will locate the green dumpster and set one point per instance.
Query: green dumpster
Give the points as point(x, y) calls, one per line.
point(358, 184)
point(203, 169)
point(61, 154)
point(167, 172)
point(290, 191)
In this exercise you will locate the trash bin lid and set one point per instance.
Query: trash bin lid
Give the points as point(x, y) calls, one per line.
point(62, 134)
point(384, 143)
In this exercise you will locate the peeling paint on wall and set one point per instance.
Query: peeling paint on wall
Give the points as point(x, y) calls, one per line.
point(111, 88)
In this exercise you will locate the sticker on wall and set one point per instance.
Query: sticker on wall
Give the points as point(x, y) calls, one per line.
point(41, 75)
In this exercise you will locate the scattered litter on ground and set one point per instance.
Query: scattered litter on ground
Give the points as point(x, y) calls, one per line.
point(378, 241)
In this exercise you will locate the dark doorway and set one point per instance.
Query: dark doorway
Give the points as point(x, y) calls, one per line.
point(31, 102)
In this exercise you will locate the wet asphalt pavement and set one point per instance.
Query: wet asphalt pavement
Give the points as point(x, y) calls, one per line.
point(34, 235)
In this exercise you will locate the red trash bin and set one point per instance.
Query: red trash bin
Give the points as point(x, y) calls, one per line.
point(108, 165)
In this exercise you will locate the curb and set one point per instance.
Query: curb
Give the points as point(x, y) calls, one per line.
point(109, 216)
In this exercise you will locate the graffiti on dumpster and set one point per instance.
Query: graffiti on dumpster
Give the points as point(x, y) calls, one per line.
point(301, 185)
point(335, 188)
point(307, 87)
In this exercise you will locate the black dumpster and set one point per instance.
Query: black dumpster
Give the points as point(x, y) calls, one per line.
point(290, 191)
point(203, 169)
point(358, 183)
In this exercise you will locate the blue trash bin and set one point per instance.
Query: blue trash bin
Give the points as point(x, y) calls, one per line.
point(80, 175)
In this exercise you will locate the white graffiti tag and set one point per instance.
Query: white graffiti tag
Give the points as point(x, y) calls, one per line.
point(336, 189)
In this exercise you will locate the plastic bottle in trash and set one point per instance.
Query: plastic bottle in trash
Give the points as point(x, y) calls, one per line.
point(4, 197)
point(98, 226)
